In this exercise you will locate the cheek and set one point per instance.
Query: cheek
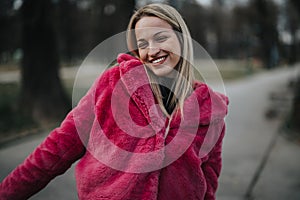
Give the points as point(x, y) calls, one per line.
point(175, 54)
point(142, 55)
point(176, 51)
point(174, 47)
point(177, 48)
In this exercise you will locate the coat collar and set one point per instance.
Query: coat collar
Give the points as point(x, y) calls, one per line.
point(203, 102)
point(135, 79)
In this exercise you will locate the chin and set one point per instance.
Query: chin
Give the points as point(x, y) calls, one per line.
point(161, 71)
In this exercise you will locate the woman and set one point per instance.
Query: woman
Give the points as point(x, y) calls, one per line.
point(128, 147)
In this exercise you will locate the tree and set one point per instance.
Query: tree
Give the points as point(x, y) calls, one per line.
point(194, 15)
point(295, 115)
point(219, 24)
point(112, 17)
point(293, 24)
point(263, 17)
point(42, 95)
point(10, 28)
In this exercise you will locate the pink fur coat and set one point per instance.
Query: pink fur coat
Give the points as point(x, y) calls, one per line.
point(127, 148)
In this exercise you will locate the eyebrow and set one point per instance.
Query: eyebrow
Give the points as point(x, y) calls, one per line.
point(140, 40)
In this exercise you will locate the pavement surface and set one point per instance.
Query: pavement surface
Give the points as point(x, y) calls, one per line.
point(258, 161)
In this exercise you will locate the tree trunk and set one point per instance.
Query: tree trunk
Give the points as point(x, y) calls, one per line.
point(42, 94)
point(295, 118)
point(295, 115)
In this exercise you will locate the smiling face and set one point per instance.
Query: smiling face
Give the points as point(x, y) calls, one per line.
point(158, 46)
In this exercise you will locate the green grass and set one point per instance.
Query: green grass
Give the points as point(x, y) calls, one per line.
point(11, 121)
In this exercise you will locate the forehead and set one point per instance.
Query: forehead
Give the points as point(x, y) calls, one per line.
point(150, 25)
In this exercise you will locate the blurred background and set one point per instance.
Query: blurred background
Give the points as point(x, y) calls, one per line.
point(43, 42)
point(40, 37)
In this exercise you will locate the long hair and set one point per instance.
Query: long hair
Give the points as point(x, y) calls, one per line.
point(185, 75)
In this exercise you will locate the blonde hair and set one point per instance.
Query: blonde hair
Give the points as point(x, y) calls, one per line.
point(185, 75)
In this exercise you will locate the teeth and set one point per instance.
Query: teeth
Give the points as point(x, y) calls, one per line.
point(158, 60)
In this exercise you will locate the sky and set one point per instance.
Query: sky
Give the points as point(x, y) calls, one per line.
point(204, 2)
point(208, 2)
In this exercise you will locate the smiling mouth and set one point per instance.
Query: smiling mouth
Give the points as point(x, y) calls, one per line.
point(158, 60)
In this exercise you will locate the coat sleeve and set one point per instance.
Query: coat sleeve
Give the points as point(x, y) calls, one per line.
point(212, 166)
point(62, 147)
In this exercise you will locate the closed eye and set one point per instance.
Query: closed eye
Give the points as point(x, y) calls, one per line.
point(161, 38)
point(142, 45)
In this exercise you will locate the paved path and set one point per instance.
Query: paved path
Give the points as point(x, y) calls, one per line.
point(248, 137)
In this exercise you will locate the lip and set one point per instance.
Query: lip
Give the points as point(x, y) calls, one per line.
point(158, 60)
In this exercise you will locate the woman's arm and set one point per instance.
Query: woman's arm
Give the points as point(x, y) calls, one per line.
point(54, 155)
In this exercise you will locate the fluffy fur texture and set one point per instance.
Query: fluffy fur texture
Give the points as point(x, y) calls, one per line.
point(194, 175)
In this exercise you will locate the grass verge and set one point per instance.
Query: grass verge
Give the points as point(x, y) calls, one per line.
point(12, 121)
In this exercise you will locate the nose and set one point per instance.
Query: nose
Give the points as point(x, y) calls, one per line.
point(153, 50)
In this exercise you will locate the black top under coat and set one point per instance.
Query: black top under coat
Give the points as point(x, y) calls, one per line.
point(166, 85)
